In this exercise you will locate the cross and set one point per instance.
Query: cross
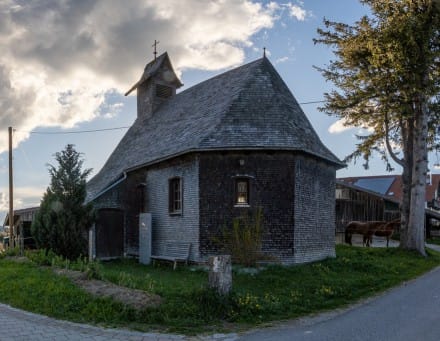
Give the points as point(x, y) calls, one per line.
point(155, 48)
point(264, 52)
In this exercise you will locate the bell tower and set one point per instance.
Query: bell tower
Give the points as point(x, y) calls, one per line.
point(157, 84)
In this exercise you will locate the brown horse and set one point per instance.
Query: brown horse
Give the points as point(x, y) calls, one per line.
point(365, 228)
point(387, 229)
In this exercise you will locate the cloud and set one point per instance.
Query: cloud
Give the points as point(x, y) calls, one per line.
point(24, 197)
point(282, 60)
point(60, 59)
point(4, 202)
point(297, 12)
point(339, 127)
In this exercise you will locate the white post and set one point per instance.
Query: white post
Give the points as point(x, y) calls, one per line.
point(145, 238)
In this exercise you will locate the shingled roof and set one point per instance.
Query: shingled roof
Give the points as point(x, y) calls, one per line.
point(247, 108)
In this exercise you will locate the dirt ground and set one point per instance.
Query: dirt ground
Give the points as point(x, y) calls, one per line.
point(134, 298)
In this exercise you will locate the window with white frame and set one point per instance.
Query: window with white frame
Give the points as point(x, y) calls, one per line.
point(242, 191)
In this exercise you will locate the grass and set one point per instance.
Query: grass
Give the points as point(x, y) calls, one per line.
point(274, 293)
point(433, 240)
point(26, 286)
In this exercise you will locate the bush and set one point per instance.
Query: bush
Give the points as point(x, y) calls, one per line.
point(93, 270)
point(49, 258)
point(40, 256)
point(12, 252)
point(243, 241)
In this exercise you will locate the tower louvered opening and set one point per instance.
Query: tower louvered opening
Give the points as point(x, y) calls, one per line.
point(163, 91)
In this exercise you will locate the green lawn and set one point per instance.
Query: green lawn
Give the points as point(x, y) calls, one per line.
point(272, 294)
point(433, 240)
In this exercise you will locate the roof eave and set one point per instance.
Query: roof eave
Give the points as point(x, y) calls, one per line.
point(338, 165)
point(116, 180)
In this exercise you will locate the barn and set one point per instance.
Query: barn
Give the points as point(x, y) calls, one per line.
point(199, 158)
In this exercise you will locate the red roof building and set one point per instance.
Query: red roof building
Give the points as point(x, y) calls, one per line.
point(391, 186)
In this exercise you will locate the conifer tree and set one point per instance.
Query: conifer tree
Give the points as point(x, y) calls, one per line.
point(387, 78)
point(63, 220)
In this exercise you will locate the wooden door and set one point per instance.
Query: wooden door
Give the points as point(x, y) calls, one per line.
point(110, 233)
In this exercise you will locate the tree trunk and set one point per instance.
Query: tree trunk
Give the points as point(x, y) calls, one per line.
point(407, 139)
point(416, 222)
point(220, 274)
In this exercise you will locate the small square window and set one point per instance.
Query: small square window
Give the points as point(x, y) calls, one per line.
point(175, 195)
point(242, 191)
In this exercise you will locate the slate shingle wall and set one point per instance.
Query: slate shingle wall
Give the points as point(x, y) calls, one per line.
point(314, 210)
point(166, 227)
point(271, 177)
point(109, 199)
point(296, 194)
point(174, 228)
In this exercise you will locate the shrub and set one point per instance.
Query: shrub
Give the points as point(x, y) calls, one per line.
point(243, 241)
point(93, 270)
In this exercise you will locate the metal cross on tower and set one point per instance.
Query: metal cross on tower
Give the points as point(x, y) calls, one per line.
point(155, 48)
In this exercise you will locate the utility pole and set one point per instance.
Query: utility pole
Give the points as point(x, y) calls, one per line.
point(11, 194)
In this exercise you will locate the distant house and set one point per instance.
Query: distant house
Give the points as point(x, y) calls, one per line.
point(355, 203)
point(22, 224)
point(220, 149)
point(388, 190)
point(391, 186)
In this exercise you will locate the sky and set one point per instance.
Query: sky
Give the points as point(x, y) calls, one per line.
point(66, 64)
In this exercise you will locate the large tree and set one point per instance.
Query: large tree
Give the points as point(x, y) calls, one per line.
point(387, 78)
point(64, 219)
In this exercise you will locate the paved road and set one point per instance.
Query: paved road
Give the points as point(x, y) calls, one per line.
point(18, 325)
point(408, 313)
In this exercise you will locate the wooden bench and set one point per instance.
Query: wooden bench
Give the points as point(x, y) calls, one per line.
point(175, 252)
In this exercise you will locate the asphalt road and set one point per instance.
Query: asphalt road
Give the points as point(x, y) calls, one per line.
point(408, 313)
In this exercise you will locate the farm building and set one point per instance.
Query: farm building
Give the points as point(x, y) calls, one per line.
point(223, 148)
point(378, 198)
point(22, 225)
point(355, 203)
point(391, 186)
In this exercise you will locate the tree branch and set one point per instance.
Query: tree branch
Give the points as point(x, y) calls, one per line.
point(388, 144)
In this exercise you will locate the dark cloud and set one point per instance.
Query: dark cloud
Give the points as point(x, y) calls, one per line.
point(12, 103)
point(86, 48)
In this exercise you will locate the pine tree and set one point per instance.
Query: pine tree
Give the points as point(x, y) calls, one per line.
point(387, 72)
point(63, 220)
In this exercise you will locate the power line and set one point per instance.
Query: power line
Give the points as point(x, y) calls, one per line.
point(71, 132)
point(312, 102)
point(104, 129)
